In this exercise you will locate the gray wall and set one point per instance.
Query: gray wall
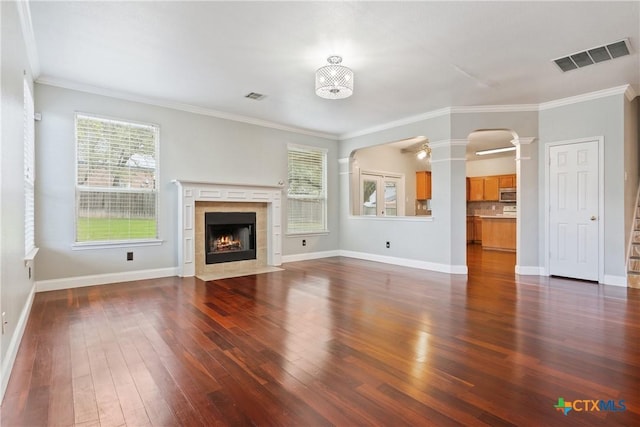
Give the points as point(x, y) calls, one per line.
point(192, 147)
point(631, 163)
point(15, 285)
point(448, 228)
point(419, 240)
point(598, 117)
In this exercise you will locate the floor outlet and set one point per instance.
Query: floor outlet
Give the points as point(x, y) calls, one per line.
point(304, 242)
point(388, 245)
point(129, 256)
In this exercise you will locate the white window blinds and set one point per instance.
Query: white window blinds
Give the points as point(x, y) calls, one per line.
point(29, 171)
point(116, 195)
point(307, 191)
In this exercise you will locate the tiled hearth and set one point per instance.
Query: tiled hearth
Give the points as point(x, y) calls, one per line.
point(202, 268)
point(196, 198)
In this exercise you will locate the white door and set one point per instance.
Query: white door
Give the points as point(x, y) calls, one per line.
point(573, 210)
point(381, 195)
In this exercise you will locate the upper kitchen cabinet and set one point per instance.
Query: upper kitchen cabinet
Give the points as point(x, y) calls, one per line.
point(491, 188)
point(507, 181)
point(484, 188)
point(476, 189)
point(423, 185)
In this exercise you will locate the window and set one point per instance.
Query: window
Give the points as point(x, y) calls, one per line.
point(307, 192)
point(29, 171)
point(116, 173)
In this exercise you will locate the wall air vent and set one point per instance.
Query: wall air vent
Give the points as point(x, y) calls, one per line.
point(255, 95)
point(594, 55)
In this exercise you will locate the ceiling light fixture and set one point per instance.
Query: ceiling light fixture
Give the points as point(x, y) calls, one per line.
point(334, 81)
point(424, 151)
point(495, 151)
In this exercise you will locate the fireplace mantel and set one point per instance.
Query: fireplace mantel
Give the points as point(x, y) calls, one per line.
point(191, 192)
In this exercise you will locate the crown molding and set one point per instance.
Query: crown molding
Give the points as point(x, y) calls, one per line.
point(516, 108)
point(49, 81)
point(626, 90)
point(397, 123)
point(24, 13)
point(523, 140)
point(618, 90)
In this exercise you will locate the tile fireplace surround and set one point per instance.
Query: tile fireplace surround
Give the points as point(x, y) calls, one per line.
point(197, 197)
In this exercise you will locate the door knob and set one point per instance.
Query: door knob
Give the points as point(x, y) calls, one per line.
point(593, 218)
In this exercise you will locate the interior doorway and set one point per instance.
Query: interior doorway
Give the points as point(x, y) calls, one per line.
point(492, 213)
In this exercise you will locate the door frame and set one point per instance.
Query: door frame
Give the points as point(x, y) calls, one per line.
point(381, 175)
point(547, 205)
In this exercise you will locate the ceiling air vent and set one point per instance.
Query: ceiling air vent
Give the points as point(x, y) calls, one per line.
point(255, 95)
point(594, 55)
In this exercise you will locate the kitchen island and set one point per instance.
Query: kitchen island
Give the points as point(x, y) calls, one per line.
point(499, 232)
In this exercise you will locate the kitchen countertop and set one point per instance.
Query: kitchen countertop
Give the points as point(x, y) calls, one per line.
point(498, 216)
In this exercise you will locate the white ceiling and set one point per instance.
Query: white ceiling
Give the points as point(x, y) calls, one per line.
point(409, 58)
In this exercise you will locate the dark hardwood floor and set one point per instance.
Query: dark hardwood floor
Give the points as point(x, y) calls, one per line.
point(333, 341)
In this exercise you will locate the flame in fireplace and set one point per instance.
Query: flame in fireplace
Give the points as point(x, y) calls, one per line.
point(226, 243)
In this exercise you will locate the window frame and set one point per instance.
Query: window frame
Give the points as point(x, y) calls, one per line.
point(116, 243)
point(324, 197)
point(29, 171)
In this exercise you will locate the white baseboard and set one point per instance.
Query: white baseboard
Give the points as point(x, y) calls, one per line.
point(615, 280)
point(309, 255)
point(529, 270)
point(14, 344)
point(405, 262)
point(103, 279)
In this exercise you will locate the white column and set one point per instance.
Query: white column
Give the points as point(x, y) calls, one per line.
point(527, 223)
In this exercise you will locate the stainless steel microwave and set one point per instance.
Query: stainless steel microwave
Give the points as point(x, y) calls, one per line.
point(508, 195)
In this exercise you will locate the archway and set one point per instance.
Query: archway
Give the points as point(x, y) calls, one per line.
point(491, 173)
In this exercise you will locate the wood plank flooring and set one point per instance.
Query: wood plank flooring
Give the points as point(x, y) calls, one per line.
point(334, 341)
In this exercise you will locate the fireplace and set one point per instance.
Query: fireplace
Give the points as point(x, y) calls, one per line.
point(230, 236)
point(195, 199)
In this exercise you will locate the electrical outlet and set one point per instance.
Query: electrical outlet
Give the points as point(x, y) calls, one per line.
point(388, 245)
point(304, 242)
point(4, 321)
point(129, 256)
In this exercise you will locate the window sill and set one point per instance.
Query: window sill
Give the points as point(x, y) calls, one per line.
point(28, 258)
point(82, 246)
point(419, 218)
point(308, 233)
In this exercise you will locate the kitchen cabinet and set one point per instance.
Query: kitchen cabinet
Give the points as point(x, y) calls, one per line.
point(507, 181)
point(487, 188)
point(467, 189)
point(469, 229)
point(499, 233)
point(477, 229)
point(476, 189)
point(423, 185)
point(491, 188)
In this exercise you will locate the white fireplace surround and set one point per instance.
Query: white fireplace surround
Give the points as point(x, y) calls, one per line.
point(190, 192)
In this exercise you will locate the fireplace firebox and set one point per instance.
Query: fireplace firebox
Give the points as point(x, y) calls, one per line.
point(230, 236)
